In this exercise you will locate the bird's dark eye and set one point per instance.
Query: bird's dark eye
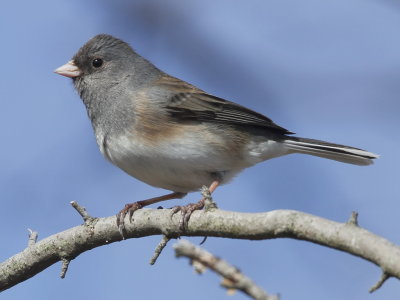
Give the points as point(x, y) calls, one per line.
point(97, 62)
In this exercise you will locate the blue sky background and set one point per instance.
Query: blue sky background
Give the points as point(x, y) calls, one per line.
point(324, 69)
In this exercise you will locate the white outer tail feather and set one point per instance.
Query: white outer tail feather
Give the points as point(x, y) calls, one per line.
point(332, 151)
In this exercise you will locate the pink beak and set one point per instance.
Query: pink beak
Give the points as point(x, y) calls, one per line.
point(69, 70)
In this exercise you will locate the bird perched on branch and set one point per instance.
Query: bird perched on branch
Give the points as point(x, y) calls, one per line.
point(171, 134)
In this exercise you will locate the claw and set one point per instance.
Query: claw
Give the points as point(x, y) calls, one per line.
point(185, 219)
point(132, 207)
point(130, 215)
point(174, 210)
point(128, 209)
point(120, 223)
point(186, 212)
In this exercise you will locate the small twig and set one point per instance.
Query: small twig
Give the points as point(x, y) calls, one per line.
point(82, 211)
point(64, 267)
point(385, 276)
point(33, 235)
point(161, 245)
point(353, 220)
point(237, 280)
point(209, 204)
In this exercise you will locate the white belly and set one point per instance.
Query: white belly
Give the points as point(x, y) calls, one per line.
point(180, 165)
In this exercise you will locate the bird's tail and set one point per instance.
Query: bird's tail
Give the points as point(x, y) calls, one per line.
point(323, 149)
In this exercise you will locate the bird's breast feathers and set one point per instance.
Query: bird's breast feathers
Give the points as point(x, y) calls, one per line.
point(183, 161)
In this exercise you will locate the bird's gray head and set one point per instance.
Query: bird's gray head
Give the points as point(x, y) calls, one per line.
point(106, 72)
point(103, 56)
point(103, 63)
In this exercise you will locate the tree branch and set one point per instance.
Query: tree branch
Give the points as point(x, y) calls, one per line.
point(67, 245)
point(233, 278)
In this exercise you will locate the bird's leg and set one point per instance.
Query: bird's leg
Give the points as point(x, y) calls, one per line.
point(132, 207)
point(188, 209)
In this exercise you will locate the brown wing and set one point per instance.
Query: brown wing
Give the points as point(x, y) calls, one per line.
point(190, 103)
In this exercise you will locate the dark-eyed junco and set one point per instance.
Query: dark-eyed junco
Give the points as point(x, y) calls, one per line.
point(172, 135)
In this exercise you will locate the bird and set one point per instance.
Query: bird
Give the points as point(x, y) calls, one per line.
point(171, 134)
